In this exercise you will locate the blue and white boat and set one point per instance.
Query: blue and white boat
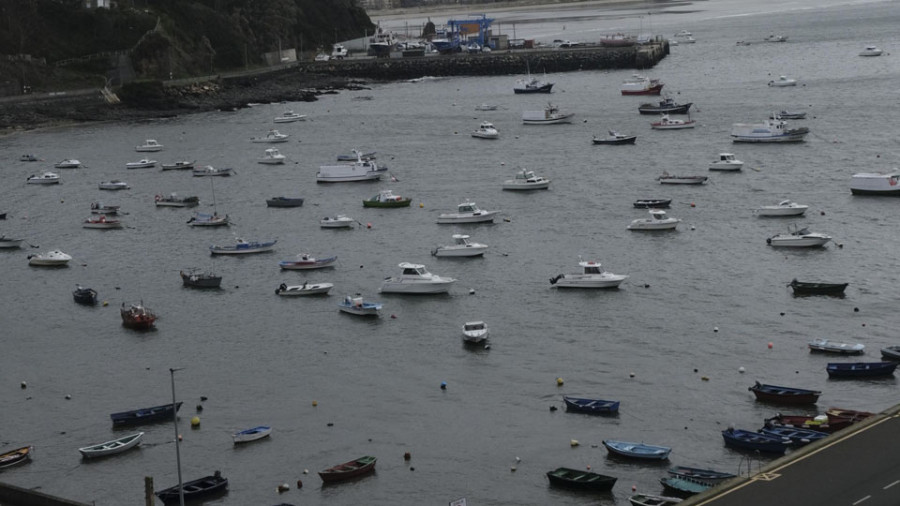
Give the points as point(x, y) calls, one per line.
point(358, 306)
point(243, 247)
point(591, 406)
point(247, 435)
point(797, 436)
point(746, 440)
point(637, 450)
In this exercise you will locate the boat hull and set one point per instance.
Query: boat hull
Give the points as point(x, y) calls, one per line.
point(209, 486)
point(781, 211)
point(144, 415)
point(412, 288)
point(299, 265)
point(614, 142)
point(745, 440)
point(387, 204)
point(254, 434)
point(591, 406)
point(234, 250)
point(652, 90)
point(460, 251)
point(543, 185)
point(16, 457)
point(637, 450)
point(652, 203)
point(556, 120)
point(805, 288)
point(483, 217)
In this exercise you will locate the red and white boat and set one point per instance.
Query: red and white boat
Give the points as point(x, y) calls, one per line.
point(137, 316)
point(641, 85)
point(667, 123)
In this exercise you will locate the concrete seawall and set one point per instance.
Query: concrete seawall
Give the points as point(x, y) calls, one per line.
point(11, 495)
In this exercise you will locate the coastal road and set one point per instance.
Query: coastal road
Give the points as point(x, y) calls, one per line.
point(861, 468)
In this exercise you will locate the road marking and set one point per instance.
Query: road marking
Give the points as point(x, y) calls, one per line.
point(866, 498)
point(890, 485)
point(766, 476)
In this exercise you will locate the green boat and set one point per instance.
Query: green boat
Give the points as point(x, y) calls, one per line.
point(583, 480)
point(386, 199)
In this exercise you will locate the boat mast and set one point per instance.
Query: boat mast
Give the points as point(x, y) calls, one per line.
point(177, 449)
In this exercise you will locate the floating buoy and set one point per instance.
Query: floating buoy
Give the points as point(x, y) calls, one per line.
point(715, 329)
point(68, 397)
point(330, 424)
point(634, 488)
point(315, 403)
point(507, 220)
point(393, 317)
point(421, 205)
point(368, 225)
point(471, 291)
point(23, 385)
point(856, 310)
point(741, 369)
point(518, 459)
point(574, 442)
point(588, 467)
point(407, 456)
point(203, 397)
point(105, 303)
point(559, 382)
point(195, 421)
point(299, 484)
point(512, 468)
point(782, 313)
point(443, 385)
point(695, 369)
point(693, 204)
point(412, 468)
point(770, 345)
point(646, 285)
point(180, 438)
point(631, 374)
point(704, 378)
point(693, 227)
point(284, 487)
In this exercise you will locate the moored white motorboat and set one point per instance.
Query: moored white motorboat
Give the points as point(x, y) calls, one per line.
point(356, 305)
point(667, 178)
point(770, 130)
point(486, 130)
point(551, 115)
point(102, 222)
point(782, 82)
point(68, 163)
point(414, 279)
point(656, 221)
point(306, 288)
point(45, 178)
point(726, 162)
point(461, 247)
point(290, 117)
point(592, 276)
point(305, 261)
point(486, 107)
point(615, 138)
point(641, 85)
point(360, 170)
point(9, 242)
point(271, 156)
point(475, 332)
point(667, 123)
point(115, 184)
point(149, 146)
point(784, 114)
point(798, 237)
point(783, 208)
point(248, 435)
point(871, 51)
point(338, 221)
point(467, 212)
point(144, 163)
point(209, 171)
point(876, 183)
point(178, 165)
point(53, 258)
point(112, 447)
point(526, 180)
point(271, 137)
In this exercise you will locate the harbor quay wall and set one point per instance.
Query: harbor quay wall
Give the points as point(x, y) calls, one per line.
point(12, 495)
point(494, 63)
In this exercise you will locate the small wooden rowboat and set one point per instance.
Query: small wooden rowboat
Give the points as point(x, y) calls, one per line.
point(653, 500)
point(112, 447)
point(247, 435)
point(784, 395)
point(860, 369)
point(637, 450)
point(754, 441)
point(808, 288)
point(349, 470)
point(144, 415)
point(15, 457)
point(201, 488)
point(702, 475)
point(578, 479)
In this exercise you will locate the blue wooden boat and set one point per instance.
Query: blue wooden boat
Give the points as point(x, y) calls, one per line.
point(144, 415)
point(860, 369)
point(683, 486)
point(581, 480)
point(590, 406)
point(636, 450)
point(202, 488)
point(798, 437)
point(784, 395)
point(702, 475)
point(747, 440)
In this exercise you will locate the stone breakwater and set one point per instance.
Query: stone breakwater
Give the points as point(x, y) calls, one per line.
point(497, 63)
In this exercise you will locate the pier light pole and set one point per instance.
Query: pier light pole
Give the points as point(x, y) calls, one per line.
point(177, 449)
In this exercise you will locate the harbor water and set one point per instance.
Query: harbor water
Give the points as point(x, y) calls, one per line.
point(704, 314)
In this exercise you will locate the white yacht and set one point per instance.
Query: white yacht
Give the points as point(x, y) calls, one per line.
point(656, 221)
point(45, 178)
point(783, 81)
point(53, 258)
point(876, 183)
point(414, 278)
point(726, 162)
point(461, 247)
point(68, 163)
point(593, 276)
point(339, 221)
point(467, 212)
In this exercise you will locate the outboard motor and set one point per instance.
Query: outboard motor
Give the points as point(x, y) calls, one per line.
point(557, 278)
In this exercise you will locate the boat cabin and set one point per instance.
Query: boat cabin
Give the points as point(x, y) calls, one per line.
point(526, 176)
point(591, 267)
point(726, 157)
point(462, 240)
point(414, 270)
point(473, 326)
point(656, 214)
point(468, 207)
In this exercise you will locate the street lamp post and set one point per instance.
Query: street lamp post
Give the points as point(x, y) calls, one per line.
point(177, 448)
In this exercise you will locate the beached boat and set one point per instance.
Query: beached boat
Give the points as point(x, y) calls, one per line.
point(461, 247)
point(195, 490)
point(306, 288)
point(289, 117)
point(242, 247)
point(551, 115)
point(653, 500)
point(114, 184)
point(101, 208)
point(196, 278)
point(782, 82)
point(306, 261)
point(657, 220)
point(860, 369)
point(614, 138)
point(467, 212)
point(178, 165)
point(101, 222)
point(338, 221)
point(10, 243)
point(591, 276)
point(55, 258)
point(871, 51)
point(112, 447)
point(754, 441)
point(783, 208)
point(149, 146)
point(726, 162)
point(890, 353)
point(652, 203)
point(68, 163)
point(847, 415)
point(360, 170)
point(145, 415)
point(358, 306)
point(210, 171)
point(784, 395)
point(770, 130)
point(348, 470)
point(667, 123)
point(667, 178)
point(271, 156)
point(636, 450)
point(284, 202)
point(272, 137)
point(143, 163)
point(701, 475)
point(581, 480)
point(254, 434)
point(208, 220)
point(86, 296)
point(590, 406)
point(15, 457)
point(876, 183)
point(837, 348)
point(641, 85)
point(797, 437)
point(486, 130)
point(173, 200)
point(665, 106)
point(386, 198)
point(526, 180)
point(415, 279)
point(798, 237)
point(810, 288)
point(137, 316)
point(475, 332)
point(45, 178)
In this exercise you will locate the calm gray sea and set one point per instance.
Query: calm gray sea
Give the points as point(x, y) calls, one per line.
point(490, 436)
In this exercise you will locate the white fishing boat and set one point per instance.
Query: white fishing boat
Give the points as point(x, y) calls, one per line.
point(667, 123)
point(876, 183)
point(783, 208)
point(783, 81)
point(798, 237)
point(657, 220)
point(68, 163)
point(592, 276)
point(461, 247)
point(149, 146)
point(360, 170)
point(210, 171)
point(726, 162)
point(475, 332)
point(289, 117)
point(667, 178)
point(871, 51)
point(467, 212)
point(338, 221)
point(178, 165)
point(143, 163)
point(551, 115)
point(45, 178)
point(358, 306)
point(53, 258)
point(112, 447)
point(526, 180)
point(414, 279)
point(306, 288)
point(273, 136)
point(271, 156)
point(641, 85)
point(115, 184)
point(770, 130)
point(486, 130)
